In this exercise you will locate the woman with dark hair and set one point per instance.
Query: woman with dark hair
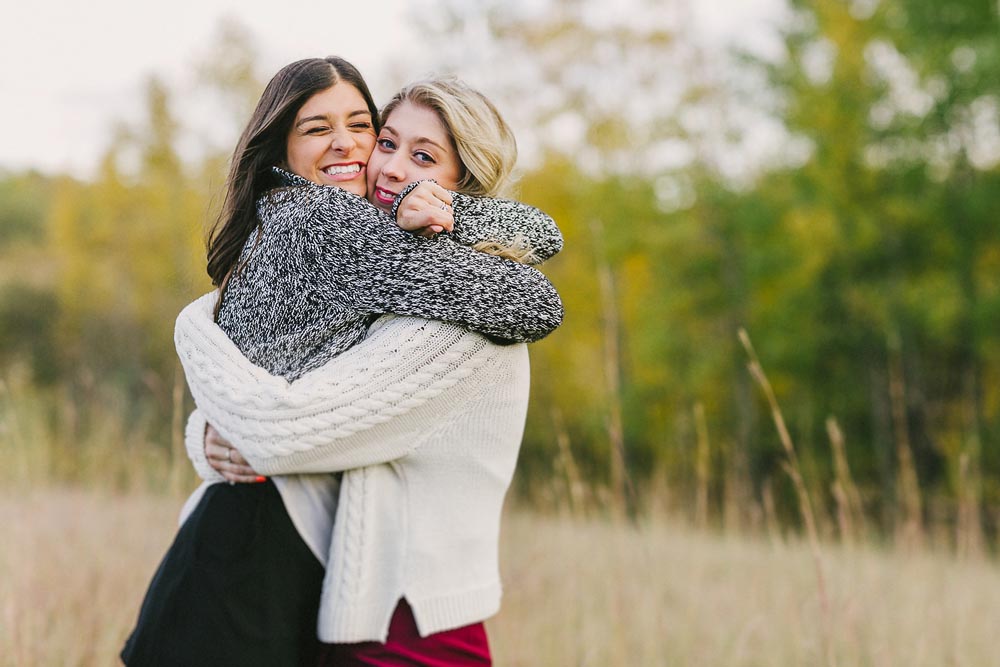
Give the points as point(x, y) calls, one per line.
point(303, 271)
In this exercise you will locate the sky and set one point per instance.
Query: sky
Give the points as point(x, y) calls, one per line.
point(70, 68)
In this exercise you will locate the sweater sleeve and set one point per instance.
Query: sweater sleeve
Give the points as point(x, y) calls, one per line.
point(326, 421)
point(508, 223)
point(194, 442)
point(354, 253)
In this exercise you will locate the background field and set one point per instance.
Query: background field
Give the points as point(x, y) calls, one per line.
point(828, 495)
point(586, 592)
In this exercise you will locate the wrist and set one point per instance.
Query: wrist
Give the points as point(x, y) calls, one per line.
point(402, 195)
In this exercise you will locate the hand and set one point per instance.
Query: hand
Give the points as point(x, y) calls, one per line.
point(227, 460)
point(426, 210)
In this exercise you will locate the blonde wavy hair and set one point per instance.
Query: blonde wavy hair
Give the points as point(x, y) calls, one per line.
point(484, 142)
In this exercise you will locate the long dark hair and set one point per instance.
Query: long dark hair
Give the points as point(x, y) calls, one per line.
point(262, 146)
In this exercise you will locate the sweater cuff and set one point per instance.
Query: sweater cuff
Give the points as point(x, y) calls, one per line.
point(407, 190)
point(194, 442)
point(463, 208)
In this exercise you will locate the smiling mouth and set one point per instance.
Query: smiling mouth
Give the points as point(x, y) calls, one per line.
point(384, 196)
point(342, 169)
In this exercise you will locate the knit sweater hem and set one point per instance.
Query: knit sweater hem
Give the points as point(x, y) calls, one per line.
point(346, 623)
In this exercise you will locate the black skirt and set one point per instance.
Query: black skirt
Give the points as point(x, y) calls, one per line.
point(238, 586)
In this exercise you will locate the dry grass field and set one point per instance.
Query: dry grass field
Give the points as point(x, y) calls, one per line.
point(578, 592)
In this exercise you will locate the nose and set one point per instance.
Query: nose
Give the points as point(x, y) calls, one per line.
point(395, 167)
point(343, 142)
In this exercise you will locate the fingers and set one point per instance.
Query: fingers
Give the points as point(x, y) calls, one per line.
point(214, 437)
point(427, 208)
point(237, 474)
point(228, 470)
point(443, 195)
point(418, 216)
point(228, 461)
point(429, 191)
point(233, 478)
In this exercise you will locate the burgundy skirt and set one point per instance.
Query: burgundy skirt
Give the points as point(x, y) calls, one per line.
point(462, 647)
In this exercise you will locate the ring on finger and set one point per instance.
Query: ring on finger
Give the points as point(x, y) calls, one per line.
point(444, 207)
point(229, 455)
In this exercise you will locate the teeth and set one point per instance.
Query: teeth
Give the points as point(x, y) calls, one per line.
point(346, 169)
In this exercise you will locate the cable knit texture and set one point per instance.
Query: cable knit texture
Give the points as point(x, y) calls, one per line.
point(385, 377)
point(424, 417)
point(428, 439)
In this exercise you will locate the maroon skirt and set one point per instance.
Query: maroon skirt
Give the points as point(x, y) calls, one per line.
point(462, 647)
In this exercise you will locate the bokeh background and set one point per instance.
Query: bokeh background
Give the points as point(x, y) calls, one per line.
point(822, 175)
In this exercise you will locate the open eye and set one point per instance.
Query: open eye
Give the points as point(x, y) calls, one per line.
point(386, 144)
point(426, 158)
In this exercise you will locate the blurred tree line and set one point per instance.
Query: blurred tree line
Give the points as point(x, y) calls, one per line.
point(837, 200)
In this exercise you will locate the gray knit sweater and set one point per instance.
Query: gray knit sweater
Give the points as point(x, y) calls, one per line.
point(326, 263)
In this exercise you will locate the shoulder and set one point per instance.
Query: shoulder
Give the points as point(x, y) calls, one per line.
point(294, 195)
point(295, 200)
point(326, 211)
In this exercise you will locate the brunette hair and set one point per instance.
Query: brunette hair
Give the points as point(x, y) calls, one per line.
point(263, 145)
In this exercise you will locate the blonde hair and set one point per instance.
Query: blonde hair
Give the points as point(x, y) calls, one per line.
point(484, 142)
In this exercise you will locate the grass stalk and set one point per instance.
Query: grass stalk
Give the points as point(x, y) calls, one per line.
point(576, 490)
point(911, 530)
point(702, 461)
point(794, 471)
point(850, 511)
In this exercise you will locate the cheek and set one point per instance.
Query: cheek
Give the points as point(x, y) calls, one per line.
point(299, 153)
point(447, 176)
point(367, 144)
point(374, 169)
point(291, 155)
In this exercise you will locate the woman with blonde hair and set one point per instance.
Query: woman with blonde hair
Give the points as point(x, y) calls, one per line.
point(408, 437)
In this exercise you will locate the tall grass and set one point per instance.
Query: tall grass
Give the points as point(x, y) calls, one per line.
point(578, 591)
point(592, 592)
point(98, 436)
point(73, 566)
point(88, 504)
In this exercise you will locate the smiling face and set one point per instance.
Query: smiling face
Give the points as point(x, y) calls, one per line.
point(413, 145)
point(331, 139)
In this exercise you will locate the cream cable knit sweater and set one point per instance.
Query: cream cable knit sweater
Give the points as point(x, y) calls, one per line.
point(424, 417)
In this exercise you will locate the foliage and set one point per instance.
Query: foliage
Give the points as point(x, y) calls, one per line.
point(861, 252)
point(24, 207)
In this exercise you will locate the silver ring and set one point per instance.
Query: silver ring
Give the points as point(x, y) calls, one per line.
point(444, 207)
point(229, 455)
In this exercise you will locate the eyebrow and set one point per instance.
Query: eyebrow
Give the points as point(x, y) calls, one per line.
point(418, 140)
point(309, 119)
